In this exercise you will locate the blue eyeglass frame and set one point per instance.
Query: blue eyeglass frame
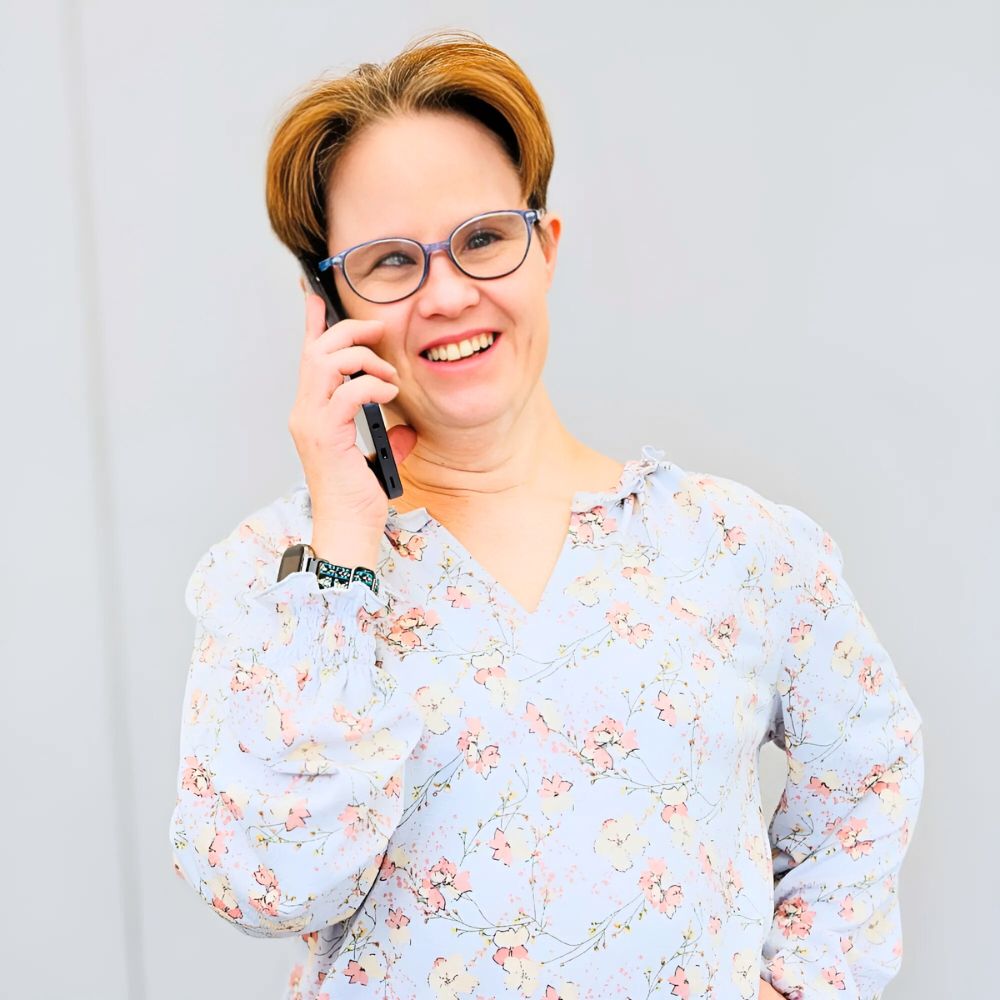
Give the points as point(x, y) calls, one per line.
point(530, 215)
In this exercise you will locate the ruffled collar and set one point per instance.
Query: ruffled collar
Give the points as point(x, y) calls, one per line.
point(632, 480)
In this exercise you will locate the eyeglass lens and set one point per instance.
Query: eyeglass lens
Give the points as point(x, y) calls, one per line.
point(488, 247)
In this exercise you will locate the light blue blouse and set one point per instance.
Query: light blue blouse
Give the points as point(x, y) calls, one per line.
point(447, 796)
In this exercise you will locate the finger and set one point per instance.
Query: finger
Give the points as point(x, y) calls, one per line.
point(315, 318)
point(349, 332)
point(348, 398)
point(322, 377)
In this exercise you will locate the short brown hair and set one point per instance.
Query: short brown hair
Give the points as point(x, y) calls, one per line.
point(444, 71)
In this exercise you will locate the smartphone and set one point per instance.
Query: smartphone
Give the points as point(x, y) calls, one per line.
point(369, 423)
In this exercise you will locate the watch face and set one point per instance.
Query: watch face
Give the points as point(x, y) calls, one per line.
point(291, 561)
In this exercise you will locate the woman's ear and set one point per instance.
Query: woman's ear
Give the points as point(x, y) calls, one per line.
point(552, 225)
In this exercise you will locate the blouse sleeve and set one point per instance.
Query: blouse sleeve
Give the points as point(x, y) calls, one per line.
point(853, 741)
point(292, 744)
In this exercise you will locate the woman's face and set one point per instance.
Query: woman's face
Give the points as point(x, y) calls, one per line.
point(419, 176)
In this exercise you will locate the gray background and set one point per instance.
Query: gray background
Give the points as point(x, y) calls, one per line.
point(809, 306)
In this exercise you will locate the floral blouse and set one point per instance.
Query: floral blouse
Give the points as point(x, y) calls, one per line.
point(446, 796)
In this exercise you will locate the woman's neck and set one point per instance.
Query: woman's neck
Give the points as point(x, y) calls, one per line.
point(484, 469)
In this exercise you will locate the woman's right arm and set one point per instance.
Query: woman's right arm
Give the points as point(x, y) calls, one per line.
point(292, 743)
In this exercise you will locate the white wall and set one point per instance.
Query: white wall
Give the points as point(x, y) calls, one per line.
point(811, 309)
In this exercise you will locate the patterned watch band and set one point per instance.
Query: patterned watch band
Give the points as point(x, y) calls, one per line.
point(330, 575)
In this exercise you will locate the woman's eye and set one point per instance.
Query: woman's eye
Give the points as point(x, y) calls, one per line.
point(480, 239)
point(396, 259)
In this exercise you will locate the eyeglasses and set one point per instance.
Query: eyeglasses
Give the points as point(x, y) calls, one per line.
point(487, 246)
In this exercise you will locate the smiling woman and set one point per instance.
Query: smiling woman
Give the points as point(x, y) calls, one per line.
point(502, 737)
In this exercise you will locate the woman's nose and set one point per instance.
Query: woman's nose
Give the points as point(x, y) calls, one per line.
point(447, 291)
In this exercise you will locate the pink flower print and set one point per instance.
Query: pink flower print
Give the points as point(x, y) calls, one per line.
point(822, 595)
point(703, 663)
point(234, 808)
point(820, 787)
point(624, 622)
point(724, 635)
point(734, 538)
point(709, 862)
point(510, 943)
point(653, 882)
point(794, 918)
point(482, 759)
point(387, 869)
point(681, 984)
point(834, 977)
point(266, 902)
point(289, 730)
point(197, 778)
point(491, 673)
point(536, 721)
point(849, 836)
point(554, 793)
point(869, 677)
point(607, 735)
point(407, 543)
point(302, 675)
point(443, 875)
point(393, 787)
point(218, 846)
point(397, 919)
point(224, 900)
point(800, 638)
point(782, 567)
point(714, 926)
point(404, 631)
point(684, 611)
point(666, 708)
point(674, 803)
point(459, 597)
point(297, 815)
point(591, 527)
point(847, 909)
point(501, 847)
point(359, 818)
point(357, 728)
point(246, 676)
point(356, 975)
point(731, 882)
point(881, 779)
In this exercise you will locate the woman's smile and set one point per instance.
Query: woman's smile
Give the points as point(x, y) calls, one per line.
point(481, 347)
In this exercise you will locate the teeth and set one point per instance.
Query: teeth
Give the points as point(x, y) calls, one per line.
point(461, 349)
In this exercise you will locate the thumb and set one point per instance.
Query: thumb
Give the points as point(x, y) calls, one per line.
point(402, 438)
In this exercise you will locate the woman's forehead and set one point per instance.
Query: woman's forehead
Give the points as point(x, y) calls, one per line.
point(418, 176)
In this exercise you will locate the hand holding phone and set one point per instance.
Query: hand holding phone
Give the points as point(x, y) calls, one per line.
point(342, 486)
point(372, 438)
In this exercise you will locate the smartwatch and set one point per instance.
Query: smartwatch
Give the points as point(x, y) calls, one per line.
point(298, 558)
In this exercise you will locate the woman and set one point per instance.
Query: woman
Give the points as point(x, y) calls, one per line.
point(517, 753)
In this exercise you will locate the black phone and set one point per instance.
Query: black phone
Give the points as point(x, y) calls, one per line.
point(372, 437)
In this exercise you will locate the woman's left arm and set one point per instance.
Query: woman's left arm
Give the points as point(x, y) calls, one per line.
point(853, 741)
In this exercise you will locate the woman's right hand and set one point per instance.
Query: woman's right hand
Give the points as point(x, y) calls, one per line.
point(342, 487)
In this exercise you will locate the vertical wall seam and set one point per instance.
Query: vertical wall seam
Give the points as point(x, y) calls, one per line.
point(106, 579)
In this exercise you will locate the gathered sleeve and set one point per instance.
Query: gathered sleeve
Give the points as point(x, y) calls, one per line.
point(853, 742)
point(292, 743)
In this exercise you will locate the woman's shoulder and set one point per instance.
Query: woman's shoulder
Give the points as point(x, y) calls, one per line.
point(732, 505)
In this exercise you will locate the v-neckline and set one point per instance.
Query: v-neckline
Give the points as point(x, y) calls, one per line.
point(632, 473)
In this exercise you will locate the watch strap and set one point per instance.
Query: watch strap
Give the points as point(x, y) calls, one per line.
point(297, 558)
